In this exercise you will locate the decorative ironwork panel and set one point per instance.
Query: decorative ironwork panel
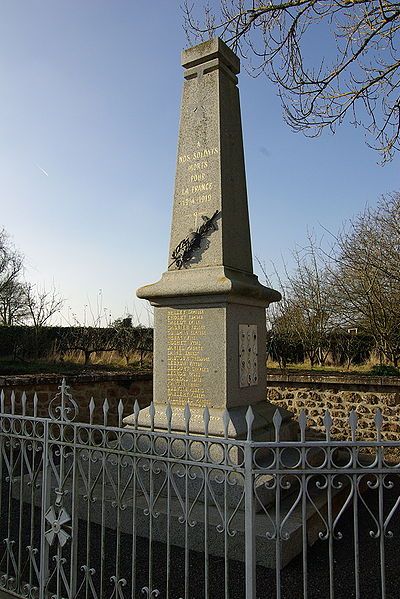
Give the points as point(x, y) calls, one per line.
point(248, 355)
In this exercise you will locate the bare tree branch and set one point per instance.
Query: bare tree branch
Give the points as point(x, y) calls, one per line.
point(361, 82)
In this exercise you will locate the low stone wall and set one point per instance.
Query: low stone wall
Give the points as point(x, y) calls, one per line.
point(313, 393)
point(113, 386)
point(340, 394)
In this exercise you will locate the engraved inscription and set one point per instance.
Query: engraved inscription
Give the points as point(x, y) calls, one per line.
point(196, 188)
point(187, 363)
point(248, 355)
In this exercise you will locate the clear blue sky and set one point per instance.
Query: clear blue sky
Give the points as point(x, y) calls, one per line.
point(90, 93)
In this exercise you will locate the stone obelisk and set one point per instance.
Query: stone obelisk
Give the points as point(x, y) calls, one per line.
point(209, 307)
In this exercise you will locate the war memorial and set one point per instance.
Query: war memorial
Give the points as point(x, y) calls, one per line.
point(209, 307)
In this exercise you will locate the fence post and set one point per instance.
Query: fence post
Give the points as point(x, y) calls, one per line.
point(46, 487)
point(250, 541)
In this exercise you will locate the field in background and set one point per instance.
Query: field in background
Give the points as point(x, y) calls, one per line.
point(74, 363)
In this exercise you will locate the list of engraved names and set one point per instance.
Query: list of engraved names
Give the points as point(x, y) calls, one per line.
point(186, 361)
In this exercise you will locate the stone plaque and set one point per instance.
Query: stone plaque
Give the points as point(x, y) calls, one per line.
point(248, 355)
point(187, 362)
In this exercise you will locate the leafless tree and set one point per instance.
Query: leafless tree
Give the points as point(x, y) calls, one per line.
point(11, 270)
point(367, 274)
point(358, 79)
point(308, 313)
point(89, 340)
point(13, 308)
point(131, 339)
point(41, 304)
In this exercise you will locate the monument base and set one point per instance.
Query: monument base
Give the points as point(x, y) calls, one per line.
point(236, 428)
point(207, 530)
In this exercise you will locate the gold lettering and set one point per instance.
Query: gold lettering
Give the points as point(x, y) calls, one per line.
point(186, 362)
point(198, 166)
point(197, 177)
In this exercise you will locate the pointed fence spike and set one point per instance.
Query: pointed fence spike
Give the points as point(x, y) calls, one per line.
point(35, 405)
point(327, 420)
point(206, 420)
point(249, 421)
point(168, 413)
point(303, 419)
point(120, 412)
point(303, 424)
point(2, 401)
point(378, 420)
point(226, 420)
point(92, 406)
point(277, 419)
point(152, 413)
point(152, 410)
point(353, 420)
point(187, 413)
point(23, 403)
point(136, 410)
point(106, 407)
point(120, 407)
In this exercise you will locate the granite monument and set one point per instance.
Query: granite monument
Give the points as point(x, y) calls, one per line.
point(209, 307)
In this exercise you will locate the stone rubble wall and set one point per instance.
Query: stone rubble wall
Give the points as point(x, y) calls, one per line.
point(315, 394)
point(113, 386)
point(340, 395)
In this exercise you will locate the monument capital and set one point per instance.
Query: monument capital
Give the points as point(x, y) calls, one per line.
point(211, 50)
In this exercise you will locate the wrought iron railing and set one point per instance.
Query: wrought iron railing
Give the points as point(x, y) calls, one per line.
point(94, 511)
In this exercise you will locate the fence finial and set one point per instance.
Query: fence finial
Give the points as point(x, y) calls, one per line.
point(277, 420)
point(92, 406)
point(206, 420)
point(353, 421)
point(327, 420)
point(378, 421)
point(303, 425)
point(106, 407)
point(120, 412)
point(136, 410)
point(187, 415)
point(249, 422)
point(226, 420)
point(152, 413)
point(168, 413)
point(23, 403)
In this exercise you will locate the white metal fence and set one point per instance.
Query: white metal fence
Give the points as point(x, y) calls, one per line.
point(96, 511)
